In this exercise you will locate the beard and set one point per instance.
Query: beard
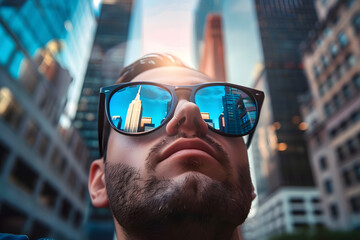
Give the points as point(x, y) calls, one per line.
point(194, 207)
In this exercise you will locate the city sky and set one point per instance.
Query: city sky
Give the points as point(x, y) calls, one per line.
point(164, 26)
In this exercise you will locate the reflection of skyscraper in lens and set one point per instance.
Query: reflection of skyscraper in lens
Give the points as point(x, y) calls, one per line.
point(206, 117)
point(146, 124)
point(237, 103)
point(134, 113)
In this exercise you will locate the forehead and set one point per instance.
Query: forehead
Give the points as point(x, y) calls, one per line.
point(173, 76)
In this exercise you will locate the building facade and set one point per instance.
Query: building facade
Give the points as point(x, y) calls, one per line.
point(106, 61)
point(331, 110)
point(279, 149)
point(43, 166)
point(288, 209)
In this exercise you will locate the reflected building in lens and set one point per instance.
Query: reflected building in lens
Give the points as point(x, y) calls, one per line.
point(134, 114)
point(238, 111)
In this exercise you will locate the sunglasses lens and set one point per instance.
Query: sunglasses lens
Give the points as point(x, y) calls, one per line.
point(227, 109)
point(139, 108)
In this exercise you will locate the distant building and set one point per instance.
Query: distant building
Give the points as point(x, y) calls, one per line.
point(331, 110)
point(287, 210)
point(202, 10)
point(43, 166)
point(212, 61)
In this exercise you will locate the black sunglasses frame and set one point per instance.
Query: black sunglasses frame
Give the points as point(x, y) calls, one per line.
point(107, 92)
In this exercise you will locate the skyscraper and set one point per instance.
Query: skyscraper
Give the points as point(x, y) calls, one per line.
point(134, 114)
point(106, 62)
point(280, 155)
point(203, 8)
point(43, 166)
point(283, 80)
point(212, 61)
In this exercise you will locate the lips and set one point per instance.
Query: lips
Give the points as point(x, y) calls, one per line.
point(187, 144)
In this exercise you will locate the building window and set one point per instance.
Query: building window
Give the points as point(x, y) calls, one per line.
point(346, 91)
point(43, 146)
point(11, 220)
point(357, 172)
point(323, 163)
point(351, 60)
point(355, 204)
point(328, 186)
point(24, 176)
point(343, 40)
point(356, 23)
point(334, 50)
point(31, 132)
point(65, 209)
point(340, 154)
point(48, 195)
point(356, 81)
point(334, 211)
point(350, 144)
point(336, 101)
point(327, 109)
point(4, 152)
point(346, 175)
point(325, 61)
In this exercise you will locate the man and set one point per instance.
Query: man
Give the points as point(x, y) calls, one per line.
point(168, 170)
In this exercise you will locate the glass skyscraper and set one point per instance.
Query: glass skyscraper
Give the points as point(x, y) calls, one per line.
point(44, 48)
point(283, 26)
point(106, 61)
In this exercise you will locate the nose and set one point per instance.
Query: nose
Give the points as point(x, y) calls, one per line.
point(187, 120)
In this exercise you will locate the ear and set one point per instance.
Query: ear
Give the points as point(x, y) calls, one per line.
point(97, 186)
point(253, 194)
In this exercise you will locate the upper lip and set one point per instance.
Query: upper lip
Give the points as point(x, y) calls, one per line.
point(183, 143)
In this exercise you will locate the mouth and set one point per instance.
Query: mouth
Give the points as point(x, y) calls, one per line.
point(190, 147)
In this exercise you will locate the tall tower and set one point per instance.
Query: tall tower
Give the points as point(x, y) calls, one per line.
point(284, 179)
point(134, 114)
point(106, 61)
point(212, 60)
point(203, 8)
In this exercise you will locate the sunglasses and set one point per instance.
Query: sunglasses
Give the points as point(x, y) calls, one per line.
point(137, 108)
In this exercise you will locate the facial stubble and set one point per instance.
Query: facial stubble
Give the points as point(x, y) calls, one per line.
point(148, 206)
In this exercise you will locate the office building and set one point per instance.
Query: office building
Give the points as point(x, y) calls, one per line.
point(281, 163)
point(331, 110)
point(43, 165)
point(106, 61)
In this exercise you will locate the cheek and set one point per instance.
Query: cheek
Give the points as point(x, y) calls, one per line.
point(237, 152)
point(127, 150)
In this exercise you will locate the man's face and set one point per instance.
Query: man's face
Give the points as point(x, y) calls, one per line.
point(182, 170)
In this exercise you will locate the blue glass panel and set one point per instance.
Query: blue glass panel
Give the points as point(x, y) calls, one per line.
point(15, 66)
point(6, 47)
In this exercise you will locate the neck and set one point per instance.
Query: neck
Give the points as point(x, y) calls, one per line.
point(187, 229)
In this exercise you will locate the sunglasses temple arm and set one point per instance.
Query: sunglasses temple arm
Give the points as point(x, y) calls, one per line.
point(248, 142)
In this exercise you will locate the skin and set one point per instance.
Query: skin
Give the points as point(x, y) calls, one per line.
point(190, 170)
